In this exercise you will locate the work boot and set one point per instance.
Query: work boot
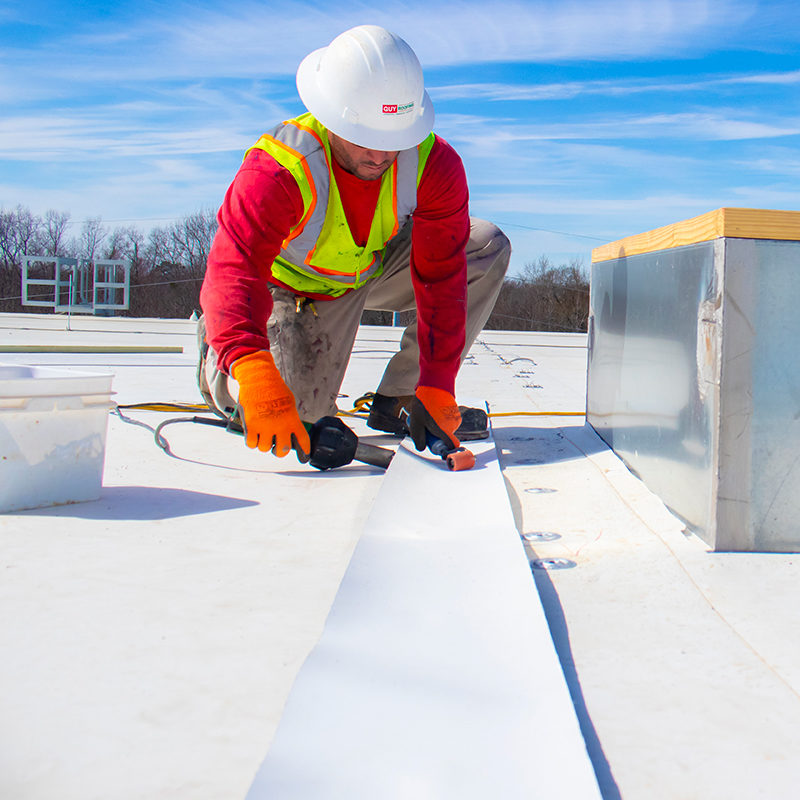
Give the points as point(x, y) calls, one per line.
point(390, 414)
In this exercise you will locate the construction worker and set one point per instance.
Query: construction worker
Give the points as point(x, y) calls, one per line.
point(355, 205)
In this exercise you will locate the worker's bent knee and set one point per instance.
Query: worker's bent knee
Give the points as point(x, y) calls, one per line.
point(488, 251)
point(487, 237)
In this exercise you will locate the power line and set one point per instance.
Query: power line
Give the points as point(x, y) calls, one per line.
point(531, 320)
point(505, 224)
point(132, 286)
point(561, 233)
point(124, 219)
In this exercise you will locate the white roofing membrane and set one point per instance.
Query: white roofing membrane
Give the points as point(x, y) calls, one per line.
point(150, 639)
point(421, 685)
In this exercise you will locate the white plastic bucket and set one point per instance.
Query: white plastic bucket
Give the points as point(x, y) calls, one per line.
point(53, 427)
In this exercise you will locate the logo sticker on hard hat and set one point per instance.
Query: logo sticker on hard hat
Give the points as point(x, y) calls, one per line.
point(393, 108)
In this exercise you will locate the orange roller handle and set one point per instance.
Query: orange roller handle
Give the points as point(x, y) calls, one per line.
point(460, 459)
point(456, 459)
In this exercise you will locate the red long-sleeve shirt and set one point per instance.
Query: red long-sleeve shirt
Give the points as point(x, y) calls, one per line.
point(263, 204)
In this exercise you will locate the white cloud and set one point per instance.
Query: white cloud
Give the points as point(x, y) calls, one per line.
point(710, 125)
point(547, 206)
point(190, 119)
point(506, 91)
point(569, 167)
point(146, 193)
point(261, 39)
point(549, 30)
point(772, 197)
point(89, 137)
point(494, 135)
point(568, 90)
point(773, 78)
point(778, 161)
point(165, 103)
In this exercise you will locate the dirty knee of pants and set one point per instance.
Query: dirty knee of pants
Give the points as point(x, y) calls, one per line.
point(307, 356)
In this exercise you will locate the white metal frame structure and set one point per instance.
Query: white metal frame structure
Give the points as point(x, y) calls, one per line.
point(87, 285)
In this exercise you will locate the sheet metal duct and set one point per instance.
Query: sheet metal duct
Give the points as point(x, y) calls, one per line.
point(693, 376)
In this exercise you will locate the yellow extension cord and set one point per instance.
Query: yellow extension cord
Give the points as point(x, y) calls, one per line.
point(360, 408)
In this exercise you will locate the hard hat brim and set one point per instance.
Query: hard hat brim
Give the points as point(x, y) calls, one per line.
point(341, 122)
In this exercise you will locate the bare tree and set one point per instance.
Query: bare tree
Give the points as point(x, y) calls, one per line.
point(54, 234)
point(185, 243)
point(136, 242)
point(544, 297)
point(92, 235)
point(167, 264)
point(7, 247)
point(122, 243)
point(20, 234)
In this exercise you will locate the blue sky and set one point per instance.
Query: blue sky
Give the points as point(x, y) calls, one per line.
point(578, 121)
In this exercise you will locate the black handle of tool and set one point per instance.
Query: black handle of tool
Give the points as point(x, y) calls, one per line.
point(333, 444)
point(373, 455)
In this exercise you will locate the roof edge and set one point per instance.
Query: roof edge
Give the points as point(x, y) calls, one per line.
point(740, 223)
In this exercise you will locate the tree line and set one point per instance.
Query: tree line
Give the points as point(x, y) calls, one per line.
point(543, 297)
point(168, 264)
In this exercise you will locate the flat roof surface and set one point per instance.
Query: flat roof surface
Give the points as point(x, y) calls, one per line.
point(151, 638)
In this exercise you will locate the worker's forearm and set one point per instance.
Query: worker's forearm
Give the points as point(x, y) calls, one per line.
point(259, 209)
point(438, 266)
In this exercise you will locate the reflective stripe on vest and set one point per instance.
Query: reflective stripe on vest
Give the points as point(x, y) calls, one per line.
point(319, 255)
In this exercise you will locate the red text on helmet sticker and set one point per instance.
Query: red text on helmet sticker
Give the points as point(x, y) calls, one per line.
point(394, 108)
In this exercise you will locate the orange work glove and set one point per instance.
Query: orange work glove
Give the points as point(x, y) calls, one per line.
point(269, 413)
point(433, 411)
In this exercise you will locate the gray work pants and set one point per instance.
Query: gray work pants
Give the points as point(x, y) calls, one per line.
point(312, 350)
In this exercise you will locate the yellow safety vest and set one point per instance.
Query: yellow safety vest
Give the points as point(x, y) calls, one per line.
point(319, 255)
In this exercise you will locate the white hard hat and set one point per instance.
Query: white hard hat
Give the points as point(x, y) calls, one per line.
point(367, 87)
